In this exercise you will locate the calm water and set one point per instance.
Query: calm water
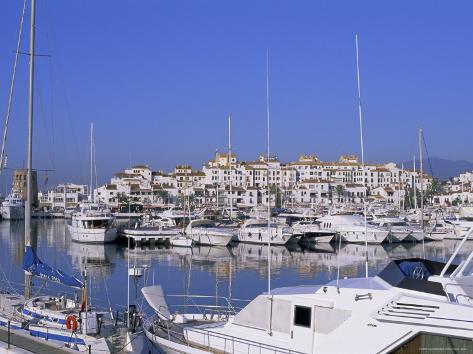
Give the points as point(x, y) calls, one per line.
point(241, 270)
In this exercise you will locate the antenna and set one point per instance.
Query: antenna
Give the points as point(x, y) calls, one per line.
point(362, 150)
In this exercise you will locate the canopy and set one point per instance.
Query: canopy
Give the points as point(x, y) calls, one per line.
point(33, 265)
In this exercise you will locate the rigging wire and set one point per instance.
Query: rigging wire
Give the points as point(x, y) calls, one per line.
point(12, 85)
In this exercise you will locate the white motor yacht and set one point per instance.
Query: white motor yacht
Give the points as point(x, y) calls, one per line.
point(308, 231)
point(13, 207)
point(256, 231)
point(205, 232)
point(351, 228)
point(399, 229)
point(93, 222)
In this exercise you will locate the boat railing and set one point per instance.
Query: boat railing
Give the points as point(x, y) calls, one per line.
point(222, 343)
point(220, 306)
point(456, 296)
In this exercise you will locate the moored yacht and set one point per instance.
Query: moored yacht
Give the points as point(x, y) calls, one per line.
point(399, 229)
point(308, 231)
point(205, 232)
point(93, 222)
point(257, 231)
point(351, 228)
point(13, 207)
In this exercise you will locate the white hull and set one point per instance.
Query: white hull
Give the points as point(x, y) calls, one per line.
point(398, 236)
point(182, 241)
point(149, 232)
point(435, 236)
point(210, 239)
point(12, 212)
point(260, 236)
point(170, 347)
point(100, 235)
point(317, 238)
point(374, 237)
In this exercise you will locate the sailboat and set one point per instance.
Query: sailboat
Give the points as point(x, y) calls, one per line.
point(69, 323)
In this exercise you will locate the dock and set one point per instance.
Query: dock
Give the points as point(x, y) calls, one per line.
point(24, 343)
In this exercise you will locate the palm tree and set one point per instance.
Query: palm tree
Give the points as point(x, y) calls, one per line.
point(275, 190)
point(340, 191)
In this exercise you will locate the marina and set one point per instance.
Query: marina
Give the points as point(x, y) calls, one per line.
point(247, 253)
point(223, 272)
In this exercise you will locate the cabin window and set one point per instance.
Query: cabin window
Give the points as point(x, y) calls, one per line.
point(302, 316)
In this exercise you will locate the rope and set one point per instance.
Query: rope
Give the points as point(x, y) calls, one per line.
point(12, 85)
point(428, 157)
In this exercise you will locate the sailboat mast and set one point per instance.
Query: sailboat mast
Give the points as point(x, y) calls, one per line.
point(91, 197)
point(415, 184)
point(362, 151)
point(421, 180)
point(230, 162)
point(267, 171)
point(29, 189)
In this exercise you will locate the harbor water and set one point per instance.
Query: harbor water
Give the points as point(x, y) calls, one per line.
point(238, 272)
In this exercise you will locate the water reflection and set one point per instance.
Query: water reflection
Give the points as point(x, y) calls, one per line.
point(240, 270)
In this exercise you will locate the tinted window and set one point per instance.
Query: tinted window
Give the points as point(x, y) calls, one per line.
point(302, 316)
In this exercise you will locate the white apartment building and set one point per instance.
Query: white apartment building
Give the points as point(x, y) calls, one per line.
point(306, 181)
point(63, 196)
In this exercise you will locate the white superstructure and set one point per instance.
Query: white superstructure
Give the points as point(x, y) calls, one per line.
point(93, 222)
point(13, 207)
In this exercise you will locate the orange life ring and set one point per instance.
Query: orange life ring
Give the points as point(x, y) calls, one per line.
point(71, 323)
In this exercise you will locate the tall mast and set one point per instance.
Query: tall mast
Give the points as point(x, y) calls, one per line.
point(421, 181)
point(91, 197)
point(267, 172)
point(362, 150)
point(415, 184)
point(401, 206)
point(29, 191)
point(230, 162)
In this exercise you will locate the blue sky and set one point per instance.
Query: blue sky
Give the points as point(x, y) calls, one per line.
point(158, 79)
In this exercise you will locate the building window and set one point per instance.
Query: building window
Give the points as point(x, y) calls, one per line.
point(302, 316)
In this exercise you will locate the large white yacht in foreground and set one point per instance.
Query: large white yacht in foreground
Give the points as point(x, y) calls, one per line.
point(93, 222)
point(13, 207)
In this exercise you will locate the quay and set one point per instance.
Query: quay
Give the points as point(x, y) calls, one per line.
point(24, 343)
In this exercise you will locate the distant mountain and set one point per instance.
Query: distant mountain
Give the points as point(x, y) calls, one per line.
point(442, 168)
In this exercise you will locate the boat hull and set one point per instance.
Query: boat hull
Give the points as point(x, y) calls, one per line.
point(209, 239)
point(12, 212)
point(170, 347)
point(100, 235)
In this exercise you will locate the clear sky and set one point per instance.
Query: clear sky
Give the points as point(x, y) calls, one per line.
point(158, 79)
